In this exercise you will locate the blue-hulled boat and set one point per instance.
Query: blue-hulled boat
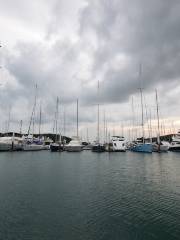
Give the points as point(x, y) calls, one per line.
point(142, 147)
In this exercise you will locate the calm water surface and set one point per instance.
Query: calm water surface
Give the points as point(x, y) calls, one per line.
point(69, 196)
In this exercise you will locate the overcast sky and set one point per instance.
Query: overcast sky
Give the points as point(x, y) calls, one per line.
point(67, 46)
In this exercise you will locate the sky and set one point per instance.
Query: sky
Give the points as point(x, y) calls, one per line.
point(67, 46)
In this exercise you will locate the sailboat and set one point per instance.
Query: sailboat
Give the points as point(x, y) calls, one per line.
point(159, 146)
point(56, 146)
point(140, 145)
point(97, 146)
point(75, 145)
point(29, 142)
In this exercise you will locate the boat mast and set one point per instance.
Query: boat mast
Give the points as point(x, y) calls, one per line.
point(150, 125)
point(142, 110)
point(64, 122)
point(87, 135)
point(40, 118)
point(77, 126)
point(20, 130)
point(133, 125)
point(98, 116)
point(147, 118)
point(9, 119)
point(56, 118)
point(122, 128)
point(104, 127)
point(33, 111)
point(106, 131)
point(157, 111)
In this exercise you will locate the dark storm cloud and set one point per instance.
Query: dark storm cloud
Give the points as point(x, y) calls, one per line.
point(36, 64)
point(147, 32)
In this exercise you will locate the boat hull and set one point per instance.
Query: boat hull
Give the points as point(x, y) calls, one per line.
point(73, 148)
point(46, 147)
point(5, 147)
point(160, 148)
point(32, 147)
point(119, 146)
point(98, 148)
point(108, 148)
point(87, 147)
point(174, 148)
point(56, 148)
point(120, 150)
point(144, 148)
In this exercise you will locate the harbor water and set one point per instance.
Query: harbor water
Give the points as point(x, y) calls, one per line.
point(89, 196)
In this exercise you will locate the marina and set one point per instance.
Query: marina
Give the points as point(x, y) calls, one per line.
point(19, 142)
point(89, 120)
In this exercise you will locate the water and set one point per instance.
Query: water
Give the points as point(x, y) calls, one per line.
point(109, 196)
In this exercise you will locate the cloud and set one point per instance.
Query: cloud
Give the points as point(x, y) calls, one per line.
point(83, 42)
point(145, 33)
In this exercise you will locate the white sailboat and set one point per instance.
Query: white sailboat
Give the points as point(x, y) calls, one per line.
point(29, 142)
point(32, 144)
point(75, 145)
